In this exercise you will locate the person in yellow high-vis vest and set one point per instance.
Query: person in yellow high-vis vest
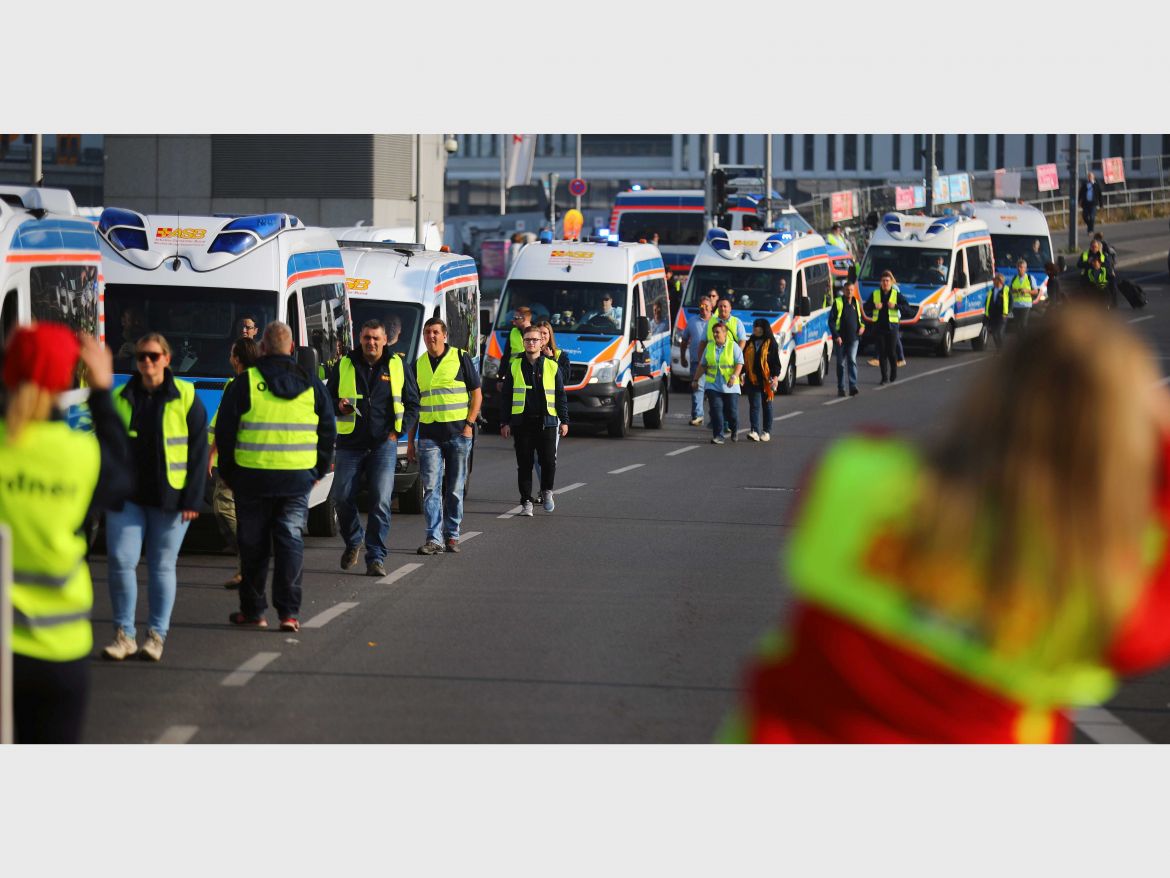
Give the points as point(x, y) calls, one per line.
point(50, 478)
point(167, 426)
point(1022, 293)
point(274, 433)
point(449, 399)
point(719, 371)
point(369, 390)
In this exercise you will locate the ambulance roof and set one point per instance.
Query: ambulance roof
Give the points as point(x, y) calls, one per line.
point(41, 220)
point(403, 274)
point(912, 230)
point(752, 249)
point(1009, 218)
point(586, 261)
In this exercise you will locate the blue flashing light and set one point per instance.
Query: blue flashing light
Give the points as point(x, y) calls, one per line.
point(546, 236)
point(232, 242)
point(613, 240)
point(603, 233)
point(774, 242)
point(712, 234)
point(265, 225)
point(117, 216)
point(636, 187)
point(129, 239)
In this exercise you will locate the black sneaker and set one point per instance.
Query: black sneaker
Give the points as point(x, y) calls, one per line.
point(375, 568)
point(349, 557)
point(840, 392)
point(853, 391)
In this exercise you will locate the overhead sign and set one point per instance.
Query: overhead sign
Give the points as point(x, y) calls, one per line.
point(942, 190)
point(1113, 170)
point(578, 187)
point(1047, 178)
point(903, 197)
point(841, 205)
point(1007, 184)
point(960, 186)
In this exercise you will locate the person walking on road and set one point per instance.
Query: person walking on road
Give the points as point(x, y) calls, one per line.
point(996, 310)
point(244, 354)
point(369, 390)
point(885, 318)
point(761, 375)
point(449, 401)
point(1102, 282)
point(1089, 198)
point(275, 431)
point(719, 369)
point(535, 410)
point(846, 324)
point(50, 477)
point(976, 588)
point(1023, 294)
point(693, 338)
point(1056, 294)
point(167, 426)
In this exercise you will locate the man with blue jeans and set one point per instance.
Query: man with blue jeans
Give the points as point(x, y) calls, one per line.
point(719, 370)
point(449, 399)
point(369, 390)
point(692, 339)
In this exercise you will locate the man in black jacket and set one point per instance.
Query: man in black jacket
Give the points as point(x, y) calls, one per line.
point(275, 432)
point(846, 327)
point(1089, 197)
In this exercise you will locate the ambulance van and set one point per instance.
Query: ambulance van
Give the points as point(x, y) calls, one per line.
point(620, 355)
point(1018, 231)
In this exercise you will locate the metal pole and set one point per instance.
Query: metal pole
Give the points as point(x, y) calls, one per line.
point(767, 181)
point(932, 170)
point(577, 170)
point(1074, 184)
point(552, 201)
point(36, 160)
point(503, 175)
point(418, 233)
point(708, 195)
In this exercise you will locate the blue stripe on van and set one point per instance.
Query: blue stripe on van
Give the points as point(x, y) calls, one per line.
point(455, 269)
point(55, 235)
point(648, 264)
point(318, 259)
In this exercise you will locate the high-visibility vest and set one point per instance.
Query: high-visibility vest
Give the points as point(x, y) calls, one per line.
point(1021, 291)
point(347, 389)
point(839, 310)
point(442, 396)
point(174, 426)
point(47, 480)
point(515, 343)
point(878, 310)
point(836, 241)
point(719, 360)
point(1098, 277)
point(277, 433)
point(733, 328)
point(520, 388)
point(1003, 296)
point(211, 426)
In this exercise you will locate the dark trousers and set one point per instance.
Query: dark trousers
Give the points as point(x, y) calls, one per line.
point(996, 328)
point(1089, 212)
point(48, 700)
point(265, 527)
point(888, 353)
point(534, 439)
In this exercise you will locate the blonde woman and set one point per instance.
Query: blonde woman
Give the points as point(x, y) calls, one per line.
point(974, 589)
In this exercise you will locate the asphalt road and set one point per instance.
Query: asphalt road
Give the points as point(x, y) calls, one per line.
point(624, 616)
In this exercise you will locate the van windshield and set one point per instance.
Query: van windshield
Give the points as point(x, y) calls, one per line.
point(671, 228)
point(593, 308)
point(403, 318)
point(750, 289)
point(1010, 248)
point(909, 265)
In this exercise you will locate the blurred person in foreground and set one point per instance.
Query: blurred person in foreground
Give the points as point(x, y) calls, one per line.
point(975, 588)
point(50, 476)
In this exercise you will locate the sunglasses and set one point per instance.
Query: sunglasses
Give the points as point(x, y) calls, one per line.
point(153, 356)
point(248, 327)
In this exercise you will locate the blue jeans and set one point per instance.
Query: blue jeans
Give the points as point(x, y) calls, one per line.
point(724, 409)
point(697, 402)
point(163, 533)
point(378, 466)
point(846, 354)
point(266, 526)
point(443, 464)
point(757, 402)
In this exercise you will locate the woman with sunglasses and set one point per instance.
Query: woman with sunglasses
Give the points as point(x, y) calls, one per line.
point(167, 426)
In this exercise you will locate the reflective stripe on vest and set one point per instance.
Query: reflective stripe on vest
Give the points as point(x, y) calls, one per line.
point(174, 426)
point(878, 310)
point(733, 327)
point(861, 485)
point(515, 343)
point(520, 389)
point(1098, 278)
point(47, 481)
point(347, 389)
point(1021, 291)
point(725, 364)
point(442, 397)
point(277, 433)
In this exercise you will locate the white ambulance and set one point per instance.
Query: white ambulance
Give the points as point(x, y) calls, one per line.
point(943, 268)
point(195, 278)
point(619, 355)
point(782, 277)
point(403, 286)
point(1018, 231)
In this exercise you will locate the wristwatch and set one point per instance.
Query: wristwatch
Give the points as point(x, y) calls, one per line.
point(470, 424)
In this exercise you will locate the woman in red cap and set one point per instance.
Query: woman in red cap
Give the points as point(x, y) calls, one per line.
point(50, 477)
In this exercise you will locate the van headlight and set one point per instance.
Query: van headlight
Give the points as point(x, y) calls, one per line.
point(929, 312)
point(605, 372)
point(491, 367)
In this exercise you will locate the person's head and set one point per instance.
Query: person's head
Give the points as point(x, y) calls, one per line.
point(724, 308)
point(1022, 266)
point(761, 328)
point(1099, 236)
point(1053, 493)
point(1092, 177)
point(550, 337)
point(435, 336)
point(393, 325)
point(783, 284)
point(1051, 269)
point(669, 273)
point(606, 302)
point(704, 307)
point(277, 341)
point(522, 317)
point(153, 356)
point(248, 326)
point(836, 228)
point(939, 260)
point(132, 322)
point(713, 297)
point(851, 275)
point(657, 308)
point(40, 363)
point(886, 281)
point(372, 340)
point(244, 354)
point(719, 332)
point(1036, 246)
point(533, 342)
point(998, 281)
point(1095, 245)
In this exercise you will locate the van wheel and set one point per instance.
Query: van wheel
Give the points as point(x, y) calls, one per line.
point(979, 342)
point(947, 343)
point(410, 501)
point(817, 378)
point(323, 519)
point(620, 426)
point(653, 419)
point(789, 383)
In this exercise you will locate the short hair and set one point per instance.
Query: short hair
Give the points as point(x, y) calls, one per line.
point(533, 328)
point(712, 292)
point(157, 338)
point(522, 311)
point(605, 296)
point(435, 321)
point(393, 320)
point(374, 323)
point(278, 339)
point(886, 274)
point(1022, 261)
point(725, 298)
point(246, 351)
point(1051, 268)
point(999, 277)
point(719, 325)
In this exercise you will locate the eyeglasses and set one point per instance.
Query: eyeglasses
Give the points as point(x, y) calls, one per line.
point(153, 356)
point(533, 340)
point(249, 327)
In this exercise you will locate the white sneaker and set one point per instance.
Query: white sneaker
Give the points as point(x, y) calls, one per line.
point(526, 509)
point(753, 435)
point(153, 647)
point(549, 505)
point(122, 647)
point(765, 437)
point(696, 422)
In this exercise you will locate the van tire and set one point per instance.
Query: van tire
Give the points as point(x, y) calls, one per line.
point(410, 501)
point(655, 417)
point(979, 342)
point(323, 519)
point(947, 343)
point(619, 427)
point(788, 384)
point(817, 378)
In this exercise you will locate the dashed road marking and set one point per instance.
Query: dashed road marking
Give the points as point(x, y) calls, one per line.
point(567, 488)
point(471, 534)
point(323, 618)
point(512, 513)
point(394, 575)
point(625, 469)
point(902, 381)
point(682, 450)
point(787, 416)
point(177, 735)
point(1105, 728)
point(249, 669)
point(837, 400)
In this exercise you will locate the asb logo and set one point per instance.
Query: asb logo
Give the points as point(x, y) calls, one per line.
point(164, 232)
point(357, 284)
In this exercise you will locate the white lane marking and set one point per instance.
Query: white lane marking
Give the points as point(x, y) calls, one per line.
point(327, 616)
point(625, 469)
point(755, 488)
point(1140, 319)
point(1146, 277)
point(249, 669)
point(837, 400)
point(787, 416)
point(511, 513)
point(177, 735)
point(682, 450)
point(902, 381)
point(394, 575)
point(1105, 728)
point(471, 534)
point(567, 488)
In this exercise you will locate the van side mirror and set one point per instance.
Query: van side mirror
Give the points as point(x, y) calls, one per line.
point(1061, 263)
point(307, 359)
point(804, 306)
point(642, 328)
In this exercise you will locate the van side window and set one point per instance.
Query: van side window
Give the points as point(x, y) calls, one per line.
point(979, 268)
point(799, 286)
point(326, 322)
point(659, 303)
point(65, 294)
point(960, 270)
point(820, 287)
point(293, 319)
point(7, 317)
point(462, 318)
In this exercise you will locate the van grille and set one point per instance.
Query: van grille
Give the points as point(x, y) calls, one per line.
point(577, 373)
